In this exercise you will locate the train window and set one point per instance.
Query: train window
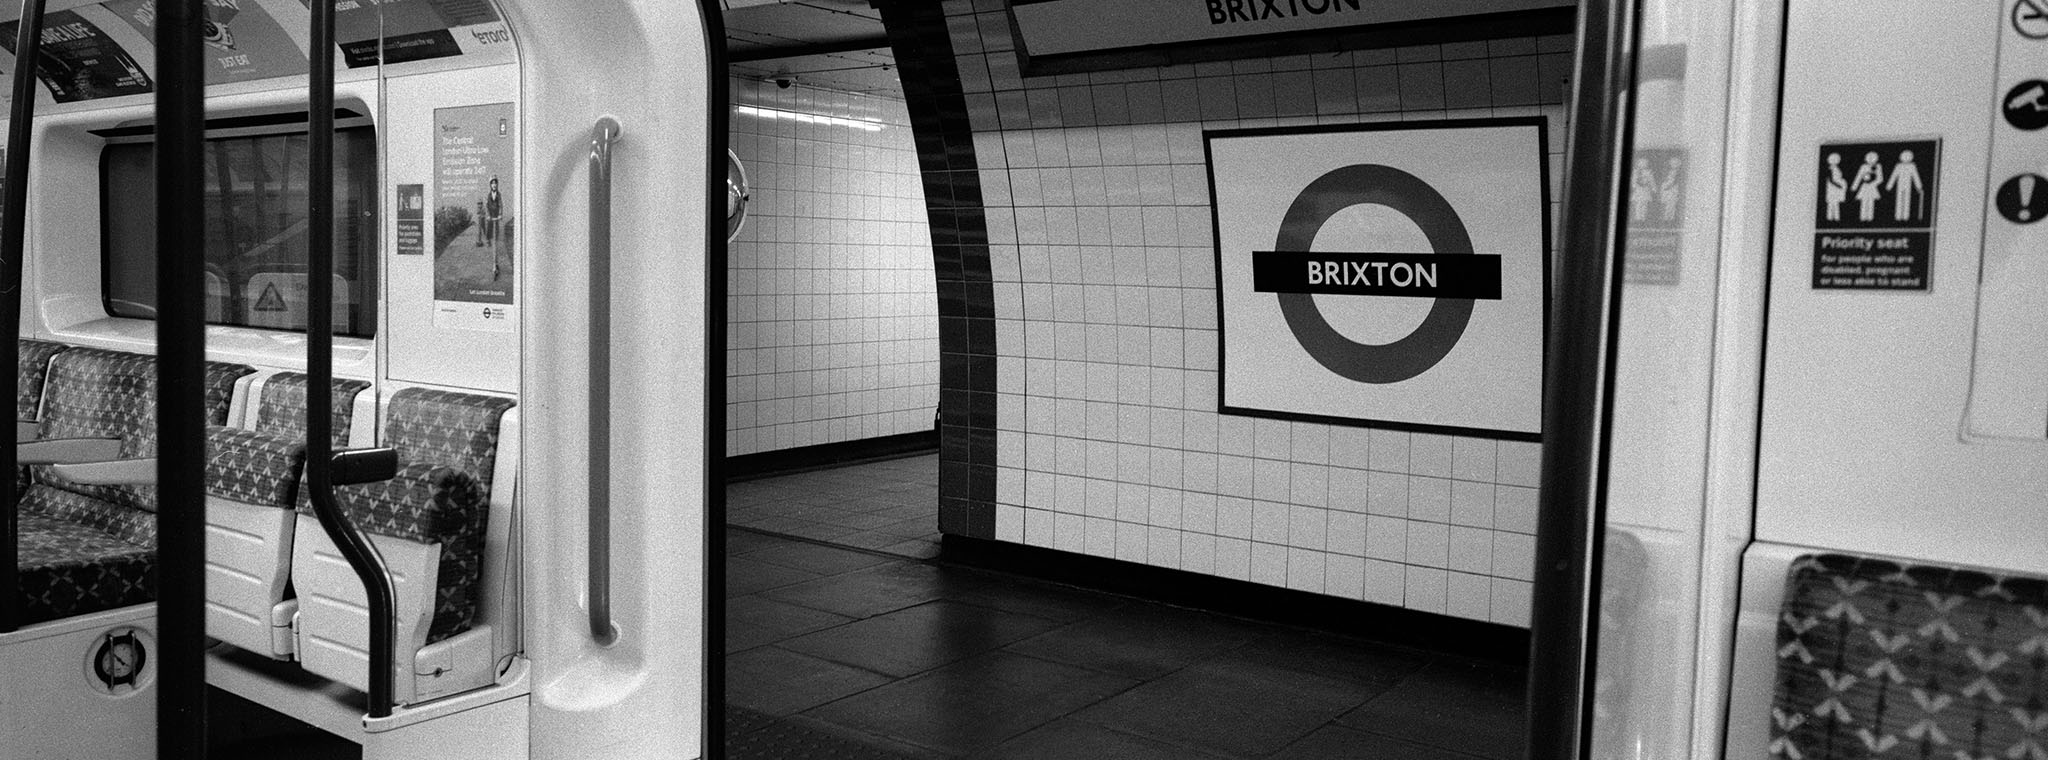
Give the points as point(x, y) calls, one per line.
point(255, 228)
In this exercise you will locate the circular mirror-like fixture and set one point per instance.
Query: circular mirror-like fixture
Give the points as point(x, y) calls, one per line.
point(736, 195)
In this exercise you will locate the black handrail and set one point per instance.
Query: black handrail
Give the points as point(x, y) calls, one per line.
point(362, 555)
point(1578, 388)
point(14, 227)
point(181, 378)
point(602, 628)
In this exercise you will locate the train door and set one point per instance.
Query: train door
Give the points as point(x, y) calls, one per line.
point(535, 190)
point(1814, 492)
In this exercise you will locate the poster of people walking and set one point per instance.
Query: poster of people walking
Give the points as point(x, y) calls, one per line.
point(474, 198)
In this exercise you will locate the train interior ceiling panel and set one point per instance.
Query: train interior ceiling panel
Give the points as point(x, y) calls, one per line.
point(1050, 378)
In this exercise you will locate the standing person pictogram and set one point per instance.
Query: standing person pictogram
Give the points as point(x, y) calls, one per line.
point(1865, 186)
point(1642, 185)
point(1905, 187)
point(1837, 188)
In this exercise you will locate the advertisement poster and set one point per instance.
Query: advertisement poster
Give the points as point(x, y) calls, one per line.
point(1388, 275)
point(242, 41)
point(414, 30)
point(475, 193)
point(79, 61)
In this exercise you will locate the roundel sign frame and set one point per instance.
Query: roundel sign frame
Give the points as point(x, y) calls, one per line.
point(1385, 275)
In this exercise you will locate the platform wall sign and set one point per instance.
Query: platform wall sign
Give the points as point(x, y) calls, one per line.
point(1389, 275)
point(1874, 214)
point(1067, 27)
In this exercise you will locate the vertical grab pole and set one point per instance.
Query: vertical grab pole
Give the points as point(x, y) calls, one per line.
point(362, 556)
point(181, 371)
point(1578, 388)
point(602, 629)
point(13, 228)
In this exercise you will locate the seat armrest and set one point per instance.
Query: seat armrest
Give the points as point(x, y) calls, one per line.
point(117, 472)
point(27, 430)
point(67, 450)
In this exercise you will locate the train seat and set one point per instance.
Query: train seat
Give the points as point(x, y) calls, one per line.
point(80, 555)
point(252, 486)
point(91, 547)
point(1875, 655)
point(430, 523)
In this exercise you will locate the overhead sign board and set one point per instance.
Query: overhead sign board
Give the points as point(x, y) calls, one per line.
point(1071, 27)
point(1389, 275)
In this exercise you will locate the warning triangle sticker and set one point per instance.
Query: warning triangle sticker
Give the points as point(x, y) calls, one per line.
point(271, 300)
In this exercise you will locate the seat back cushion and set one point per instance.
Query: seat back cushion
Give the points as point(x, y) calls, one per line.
point(1882, 659)
point(282, 412)
point(448, 429)
point(92, 392)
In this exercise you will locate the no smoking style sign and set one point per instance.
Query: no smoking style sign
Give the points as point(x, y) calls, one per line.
point(1388, 274)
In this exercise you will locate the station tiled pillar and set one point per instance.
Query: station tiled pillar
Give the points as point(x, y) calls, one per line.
point(923, 46)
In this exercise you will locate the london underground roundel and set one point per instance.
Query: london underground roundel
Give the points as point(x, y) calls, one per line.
point(1389, 275)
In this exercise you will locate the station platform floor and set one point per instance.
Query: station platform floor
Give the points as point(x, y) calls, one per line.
point(843, 643)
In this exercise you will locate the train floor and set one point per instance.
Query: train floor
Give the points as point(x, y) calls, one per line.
point(842, 644)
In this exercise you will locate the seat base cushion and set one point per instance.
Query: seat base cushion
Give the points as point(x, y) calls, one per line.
point(69, 569)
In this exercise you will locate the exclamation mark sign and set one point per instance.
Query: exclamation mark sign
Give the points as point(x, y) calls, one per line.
point(2027, 183)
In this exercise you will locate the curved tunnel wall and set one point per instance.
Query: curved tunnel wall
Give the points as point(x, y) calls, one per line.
point(1071, 226)
point(832, 323)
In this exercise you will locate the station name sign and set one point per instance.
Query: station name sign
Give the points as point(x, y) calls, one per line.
point(1072, 27)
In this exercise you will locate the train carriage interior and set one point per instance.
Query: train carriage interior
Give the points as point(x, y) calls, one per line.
point(1020, 379)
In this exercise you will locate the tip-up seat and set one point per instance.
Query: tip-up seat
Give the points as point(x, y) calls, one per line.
point(252, 481)
point(430, 524)
point(1884, 659)
point(87, 548)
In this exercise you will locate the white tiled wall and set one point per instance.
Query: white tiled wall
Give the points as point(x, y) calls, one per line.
point(832, 309)
point(1109, 442)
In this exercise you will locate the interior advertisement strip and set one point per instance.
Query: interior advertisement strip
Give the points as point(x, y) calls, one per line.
point(243, 41)
point(1066, 27)
point(79, 61)
point(475, 194)
point(1386, 275)
point(415, 30)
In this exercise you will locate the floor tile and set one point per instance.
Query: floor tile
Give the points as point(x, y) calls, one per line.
point(973, 704)
point(872, 591)
point(798, 738)
point(1473, 708)
point(1037, 598)
point(752, 621)
point(1233, 707)
point(738, 542)
point(1081, 740)
point(746, 575)
point(1141, 641)
point(1333, 742)
point(1365, 666)
point(917, 639)
point(779, 682)
point(823, 560)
